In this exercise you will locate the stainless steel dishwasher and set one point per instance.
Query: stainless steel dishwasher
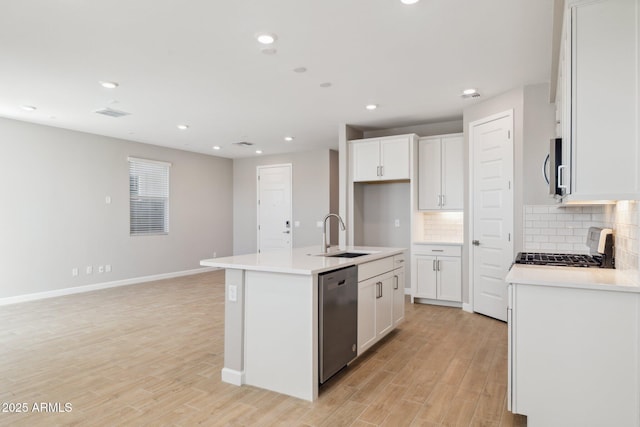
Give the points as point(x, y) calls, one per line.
point(338, 320)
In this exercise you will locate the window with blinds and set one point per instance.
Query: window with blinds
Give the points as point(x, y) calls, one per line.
point(148, 197)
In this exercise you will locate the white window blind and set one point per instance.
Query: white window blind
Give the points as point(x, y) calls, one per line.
point(148, 197)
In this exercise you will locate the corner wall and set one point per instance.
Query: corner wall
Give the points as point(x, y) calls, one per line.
point(54, 217)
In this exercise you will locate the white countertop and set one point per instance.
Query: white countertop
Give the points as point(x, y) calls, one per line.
point(573, 277)
point(300, 260)
point(422, 242)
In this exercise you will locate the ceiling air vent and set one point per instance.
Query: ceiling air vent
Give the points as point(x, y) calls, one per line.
point(111, 112)
point(243, 143)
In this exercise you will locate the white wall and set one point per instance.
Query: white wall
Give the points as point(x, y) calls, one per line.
point(53, 184)
point(311, 196)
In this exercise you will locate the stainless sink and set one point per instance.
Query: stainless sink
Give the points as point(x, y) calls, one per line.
point(347, 255)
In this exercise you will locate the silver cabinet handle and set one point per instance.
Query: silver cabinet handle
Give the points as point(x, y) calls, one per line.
point(378, 290)
point(398, 261)
point(561, 183)
point(438, 265)
point(437, 250)
point(439, 200)
point(286, 232)
point(444, 200)
point(434, 265)
point(475, 242)
point(396, 284)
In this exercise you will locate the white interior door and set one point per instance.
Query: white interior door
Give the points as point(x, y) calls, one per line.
point(274, 207)
point(492, 234)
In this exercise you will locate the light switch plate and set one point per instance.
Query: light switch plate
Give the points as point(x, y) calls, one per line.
point(233, 293)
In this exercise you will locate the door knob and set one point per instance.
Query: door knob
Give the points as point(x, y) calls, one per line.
point(286, 232)
point(475, 242)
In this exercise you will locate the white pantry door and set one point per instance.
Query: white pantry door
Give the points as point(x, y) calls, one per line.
point(492, 236)
point(274, 207)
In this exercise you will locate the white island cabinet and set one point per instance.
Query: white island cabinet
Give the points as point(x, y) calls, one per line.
point(271, 313)
point(573, 346)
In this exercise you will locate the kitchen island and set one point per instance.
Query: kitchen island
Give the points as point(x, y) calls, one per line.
point(271, 313)
point(573, 347)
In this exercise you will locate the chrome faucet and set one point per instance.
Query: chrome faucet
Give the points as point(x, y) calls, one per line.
point(325, 245)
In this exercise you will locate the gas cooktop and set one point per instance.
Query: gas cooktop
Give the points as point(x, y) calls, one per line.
point(563, 260)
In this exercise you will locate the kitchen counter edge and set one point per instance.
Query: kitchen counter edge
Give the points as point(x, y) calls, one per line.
point(303, 261)
point(573, 277)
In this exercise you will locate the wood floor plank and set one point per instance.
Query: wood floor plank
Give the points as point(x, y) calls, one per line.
point(151, 354)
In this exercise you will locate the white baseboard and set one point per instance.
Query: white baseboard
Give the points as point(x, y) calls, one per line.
point(96, 286)
point(467, 307)
point(232, 376)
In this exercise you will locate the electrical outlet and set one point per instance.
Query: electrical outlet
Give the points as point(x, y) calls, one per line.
point(89, 269)
point(107, 268)
point(107, 200)
point(319, 224)
point(233, 293)
point(215, 254)
point(296, 224)
point(74, 271)
point(397, 223)
point(101, 269)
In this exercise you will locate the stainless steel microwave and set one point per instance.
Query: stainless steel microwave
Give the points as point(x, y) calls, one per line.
point(554, 160)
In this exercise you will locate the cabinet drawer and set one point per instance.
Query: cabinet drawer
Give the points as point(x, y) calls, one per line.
point(398, 261)
point(446, 250)
point(375, 268)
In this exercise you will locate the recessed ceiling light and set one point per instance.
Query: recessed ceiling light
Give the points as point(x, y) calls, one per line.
point(325, 84)
point(409, 1)
point(300, 70)
point(268, 51)
point(258, 151)
point(266, 38)
point(109, 85)
point(371, 107)
point(216, 147)
point(28, 107)
point(469, 91)
point(183, 127)
point(288, 138)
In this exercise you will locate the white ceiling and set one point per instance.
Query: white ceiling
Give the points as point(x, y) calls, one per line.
point(197, 62)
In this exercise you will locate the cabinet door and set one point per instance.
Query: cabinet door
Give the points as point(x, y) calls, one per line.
point(452, 173)
point(425, 276)
point(398, 296)
point(394, 158)
point(366, 159)
point(605, 100)
point(449, 278)
point(366, 314)
point(429, 174)
point(384, 304)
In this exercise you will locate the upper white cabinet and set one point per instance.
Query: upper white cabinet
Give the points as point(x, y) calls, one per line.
point(440, 173)
point(382, 159)
point(600, 72)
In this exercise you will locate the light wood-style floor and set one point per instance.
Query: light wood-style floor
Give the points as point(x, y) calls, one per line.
point(151, 354)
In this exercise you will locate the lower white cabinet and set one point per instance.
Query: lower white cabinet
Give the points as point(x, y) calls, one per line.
point(438, 273)
point(379, 309)
point(573, 356)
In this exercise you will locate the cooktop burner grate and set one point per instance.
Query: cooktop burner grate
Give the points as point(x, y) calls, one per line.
point(565, 260)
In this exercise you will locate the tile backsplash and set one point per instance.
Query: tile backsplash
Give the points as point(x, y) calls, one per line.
point(442, 227)
point(564, 229)
point(627, 236)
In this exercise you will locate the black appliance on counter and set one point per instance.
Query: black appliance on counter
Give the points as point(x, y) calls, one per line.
point(599, 241)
